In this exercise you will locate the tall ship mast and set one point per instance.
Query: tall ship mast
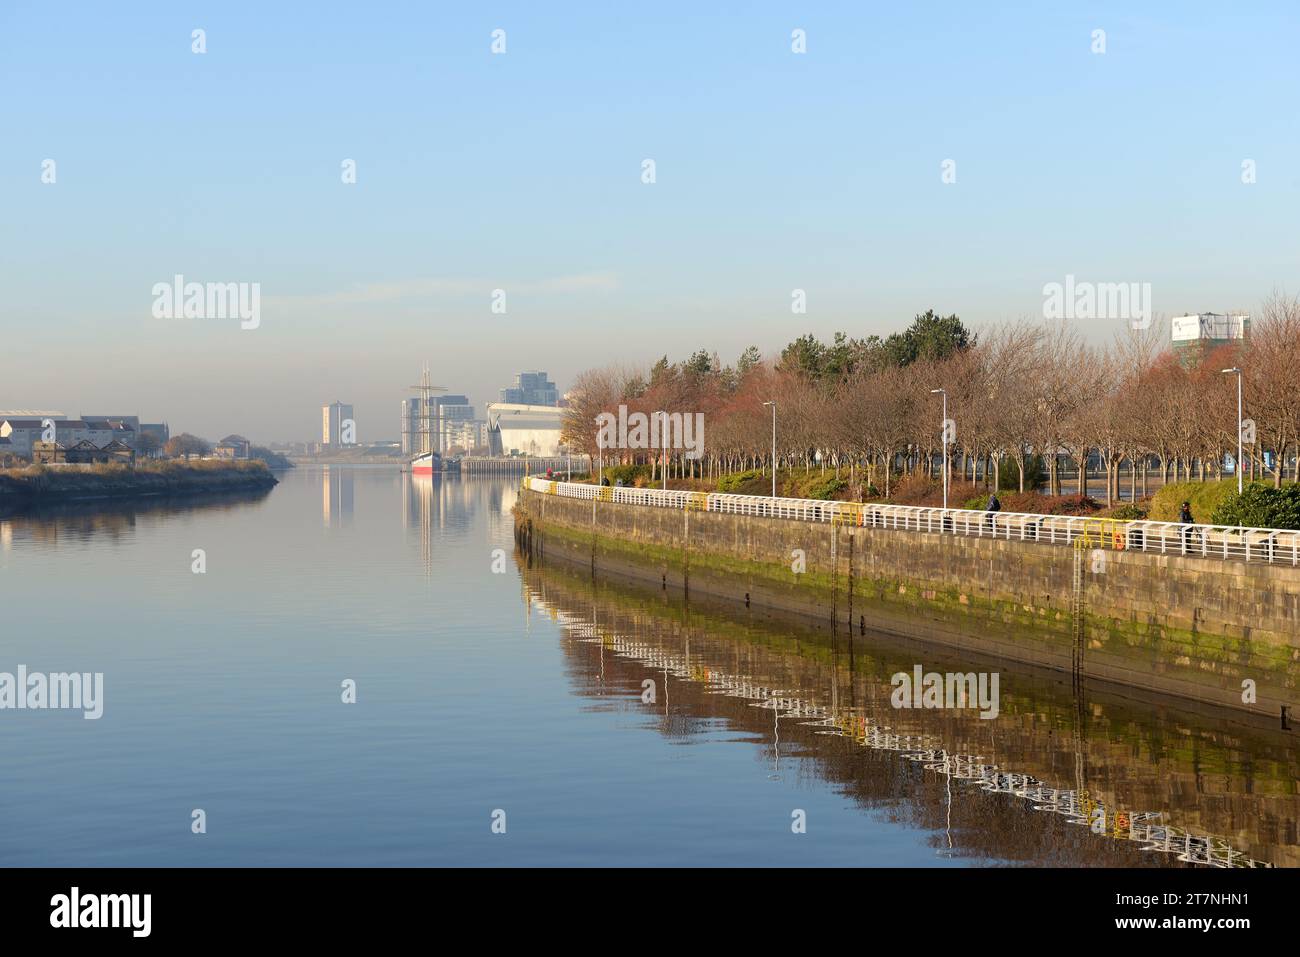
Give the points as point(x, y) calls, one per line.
point(427, 460)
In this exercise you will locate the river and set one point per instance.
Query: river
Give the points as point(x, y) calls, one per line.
point(516, 714)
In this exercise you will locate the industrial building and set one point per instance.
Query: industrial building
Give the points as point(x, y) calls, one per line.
point(524, 429)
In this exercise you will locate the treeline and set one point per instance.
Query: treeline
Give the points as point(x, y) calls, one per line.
point(1018, 394)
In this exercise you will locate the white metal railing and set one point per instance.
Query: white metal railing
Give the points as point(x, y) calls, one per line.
point(1230, 543)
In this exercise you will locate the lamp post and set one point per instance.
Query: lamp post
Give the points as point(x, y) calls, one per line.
point(943, 435)
point(1236, 370)
point(663, 445)
point(773, 405)
point(600, 456)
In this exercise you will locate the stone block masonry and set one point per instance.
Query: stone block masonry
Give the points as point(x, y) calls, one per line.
point(1190, 626)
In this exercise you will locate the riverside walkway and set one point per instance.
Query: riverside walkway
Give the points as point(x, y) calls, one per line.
point(1228, 543)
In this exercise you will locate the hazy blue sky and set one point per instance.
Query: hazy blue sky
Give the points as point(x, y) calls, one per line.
point(522, 171)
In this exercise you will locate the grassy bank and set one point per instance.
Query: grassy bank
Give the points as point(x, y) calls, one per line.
point(39, 484)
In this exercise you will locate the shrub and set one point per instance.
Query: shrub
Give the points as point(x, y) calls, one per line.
point(1128, 512)
point(827, 488)
point(920, 489)
point(1205, 498)
point(1260, 506)
point(630, 474)
point(738, 482)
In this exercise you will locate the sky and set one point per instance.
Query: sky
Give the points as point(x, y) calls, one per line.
point(523, 171)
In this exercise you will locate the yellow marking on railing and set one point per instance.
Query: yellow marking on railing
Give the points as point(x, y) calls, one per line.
point(1103, 533)
point(698, 501)
point(848, 513)
point(605, 493)
point(550, 488)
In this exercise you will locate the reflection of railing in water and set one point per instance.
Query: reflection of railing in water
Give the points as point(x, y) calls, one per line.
point(1079, 806)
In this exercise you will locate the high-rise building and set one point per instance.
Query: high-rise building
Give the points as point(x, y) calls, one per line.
point(446, 413)
point(531, 388)
point(1195, 336)
point(338, 427)
point(1209, 327)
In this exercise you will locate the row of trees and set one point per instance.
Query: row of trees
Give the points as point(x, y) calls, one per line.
point(1018, 392)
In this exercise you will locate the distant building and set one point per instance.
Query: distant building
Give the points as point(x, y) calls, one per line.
point(31, 414)
point(333, 417)
point(127, 420)
point(103, 431)
point(24, 433)
point(1193, 336)
point(84, 452)
point(469, 435)
point(232, 447)
point(531, 388)
point(158, 430)
point(447, 415)
point(525, 429)
point(26, 429)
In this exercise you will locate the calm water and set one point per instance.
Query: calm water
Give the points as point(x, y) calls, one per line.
point(523, 691)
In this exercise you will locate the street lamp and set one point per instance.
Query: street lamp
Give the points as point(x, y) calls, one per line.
point(1237, 371)
point(773, 405)
point(943, 435)
point(663, 458)
point(600, 457)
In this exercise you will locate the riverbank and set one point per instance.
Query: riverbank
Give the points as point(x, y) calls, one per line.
point(40, 486)
point(1199, 627)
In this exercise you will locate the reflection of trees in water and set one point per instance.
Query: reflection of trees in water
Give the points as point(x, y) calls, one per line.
point(114, 520)
point(921, 767)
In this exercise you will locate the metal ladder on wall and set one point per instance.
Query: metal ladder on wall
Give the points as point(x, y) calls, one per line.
point(1077, 617)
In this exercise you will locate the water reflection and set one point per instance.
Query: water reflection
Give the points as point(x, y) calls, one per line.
point(442, 511)
point(338, 488)
point(1126, 778)
point(82, 522)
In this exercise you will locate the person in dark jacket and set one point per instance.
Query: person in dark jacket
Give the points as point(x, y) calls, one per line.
point(1185, 516)
point(994, 507)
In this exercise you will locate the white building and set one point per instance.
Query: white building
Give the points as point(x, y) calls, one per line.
point(527, 429)
point(31, 414)
point(336, 419)
point(1209, 327)
point(467, 435)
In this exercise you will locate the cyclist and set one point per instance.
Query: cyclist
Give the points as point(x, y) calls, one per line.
point(1185, 516)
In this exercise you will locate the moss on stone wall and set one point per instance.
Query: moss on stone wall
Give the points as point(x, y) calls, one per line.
point(1144, 624)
